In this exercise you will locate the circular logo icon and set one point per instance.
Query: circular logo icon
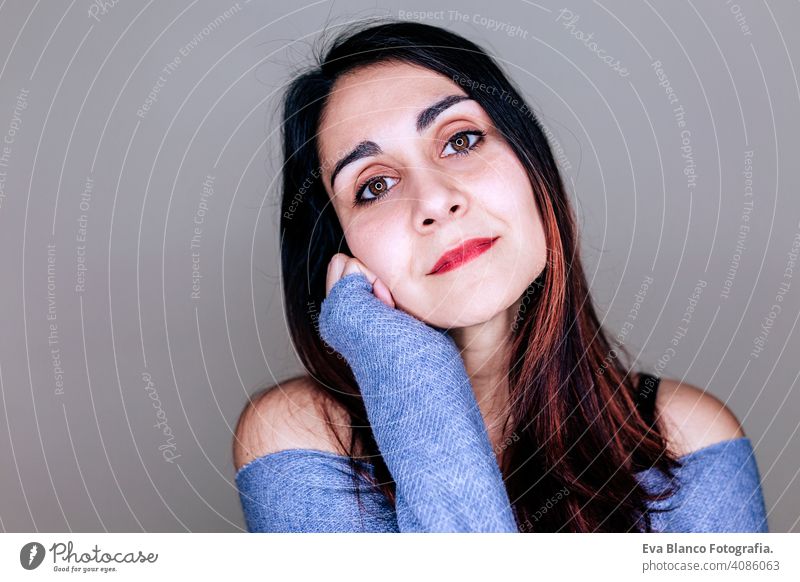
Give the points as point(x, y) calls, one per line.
point(31, 555)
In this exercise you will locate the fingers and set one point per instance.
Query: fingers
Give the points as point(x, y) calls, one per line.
point(335, 270)
point(341, 265)
point(382, 292)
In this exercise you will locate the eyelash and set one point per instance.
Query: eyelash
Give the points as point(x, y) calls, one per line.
point(359, 201)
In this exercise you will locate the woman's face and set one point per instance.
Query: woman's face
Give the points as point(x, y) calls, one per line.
point(430, 182)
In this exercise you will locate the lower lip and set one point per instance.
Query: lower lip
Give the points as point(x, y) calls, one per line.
point(473, 253)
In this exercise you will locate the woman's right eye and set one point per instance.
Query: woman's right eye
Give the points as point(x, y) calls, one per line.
point(375, 187)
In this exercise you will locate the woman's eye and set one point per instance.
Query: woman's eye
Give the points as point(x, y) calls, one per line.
point(463, 142)
point(373, 188)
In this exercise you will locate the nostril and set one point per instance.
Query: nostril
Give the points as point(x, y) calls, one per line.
point(427, 221)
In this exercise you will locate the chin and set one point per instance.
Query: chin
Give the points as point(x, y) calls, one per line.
point(466, 302)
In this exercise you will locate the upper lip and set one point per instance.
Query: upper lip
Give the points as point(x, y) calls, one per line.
point(456, 253)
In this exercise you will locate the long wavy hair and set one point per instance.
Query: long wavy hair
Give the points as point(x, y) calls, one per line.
point(577, 438)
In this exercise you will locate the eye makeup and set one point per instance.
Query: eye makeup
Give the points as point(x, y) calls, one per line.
point(467, 141)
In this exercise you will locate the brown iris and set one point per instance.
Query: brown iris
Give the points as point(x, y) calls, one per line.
point(460, 143)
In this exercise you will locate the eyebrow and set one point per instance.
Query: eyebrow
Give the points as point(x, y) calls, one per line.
point(368, 148)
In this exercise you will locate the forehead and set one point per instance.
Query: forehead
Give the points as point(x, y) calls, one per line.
point(375, 101)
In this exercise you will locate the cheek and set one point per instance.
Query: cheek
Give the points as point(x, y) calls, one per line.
point(505, 192)
point(530, 245)
point(382, 246)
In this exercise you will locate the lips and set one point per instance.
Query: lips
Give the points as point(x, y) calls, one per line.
point(461, 254)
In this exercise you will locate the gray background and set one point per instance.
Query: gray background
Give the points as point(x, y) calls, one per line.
point(72, 79)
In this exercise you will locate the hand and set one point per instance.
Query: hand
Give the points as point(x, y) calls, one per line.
point(342, 264)
point(358, 315)
point(373, 336)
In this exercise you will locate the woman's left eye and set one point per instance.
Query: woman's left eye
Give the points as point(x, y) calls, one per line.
point(463, 142)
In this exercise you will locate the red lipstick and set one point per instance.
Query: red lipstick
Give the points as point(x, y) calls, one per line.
point(461, 254)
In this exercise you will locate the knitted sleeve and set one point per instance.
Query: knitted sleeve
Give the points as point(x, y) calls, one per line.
point(422, 411)
point(303, 490)
point(719, 492)
point(309, 491)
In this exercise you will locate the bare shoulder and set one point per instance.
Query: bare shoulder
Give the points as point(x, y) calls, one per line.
point(289, 415)
point(693, 418)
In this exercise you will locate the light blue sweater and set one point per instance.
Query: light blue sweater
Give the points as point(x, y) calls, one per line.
point(431, 434)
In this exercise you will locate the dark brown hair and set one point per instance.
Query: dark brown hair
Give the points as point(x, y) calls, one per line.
point(578, 438)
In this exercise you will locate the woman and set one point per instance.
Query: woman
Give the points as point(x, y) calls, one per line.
point(459, 378)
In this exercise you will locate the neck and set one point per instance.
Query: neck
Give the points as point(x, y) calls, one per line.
point(485, 350)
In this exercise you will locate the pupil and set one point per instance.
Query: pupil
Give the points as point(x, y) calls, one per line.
point(460, 142)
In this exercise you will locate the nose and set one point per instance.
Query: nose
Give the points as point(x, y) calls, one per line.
point(439, 198)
